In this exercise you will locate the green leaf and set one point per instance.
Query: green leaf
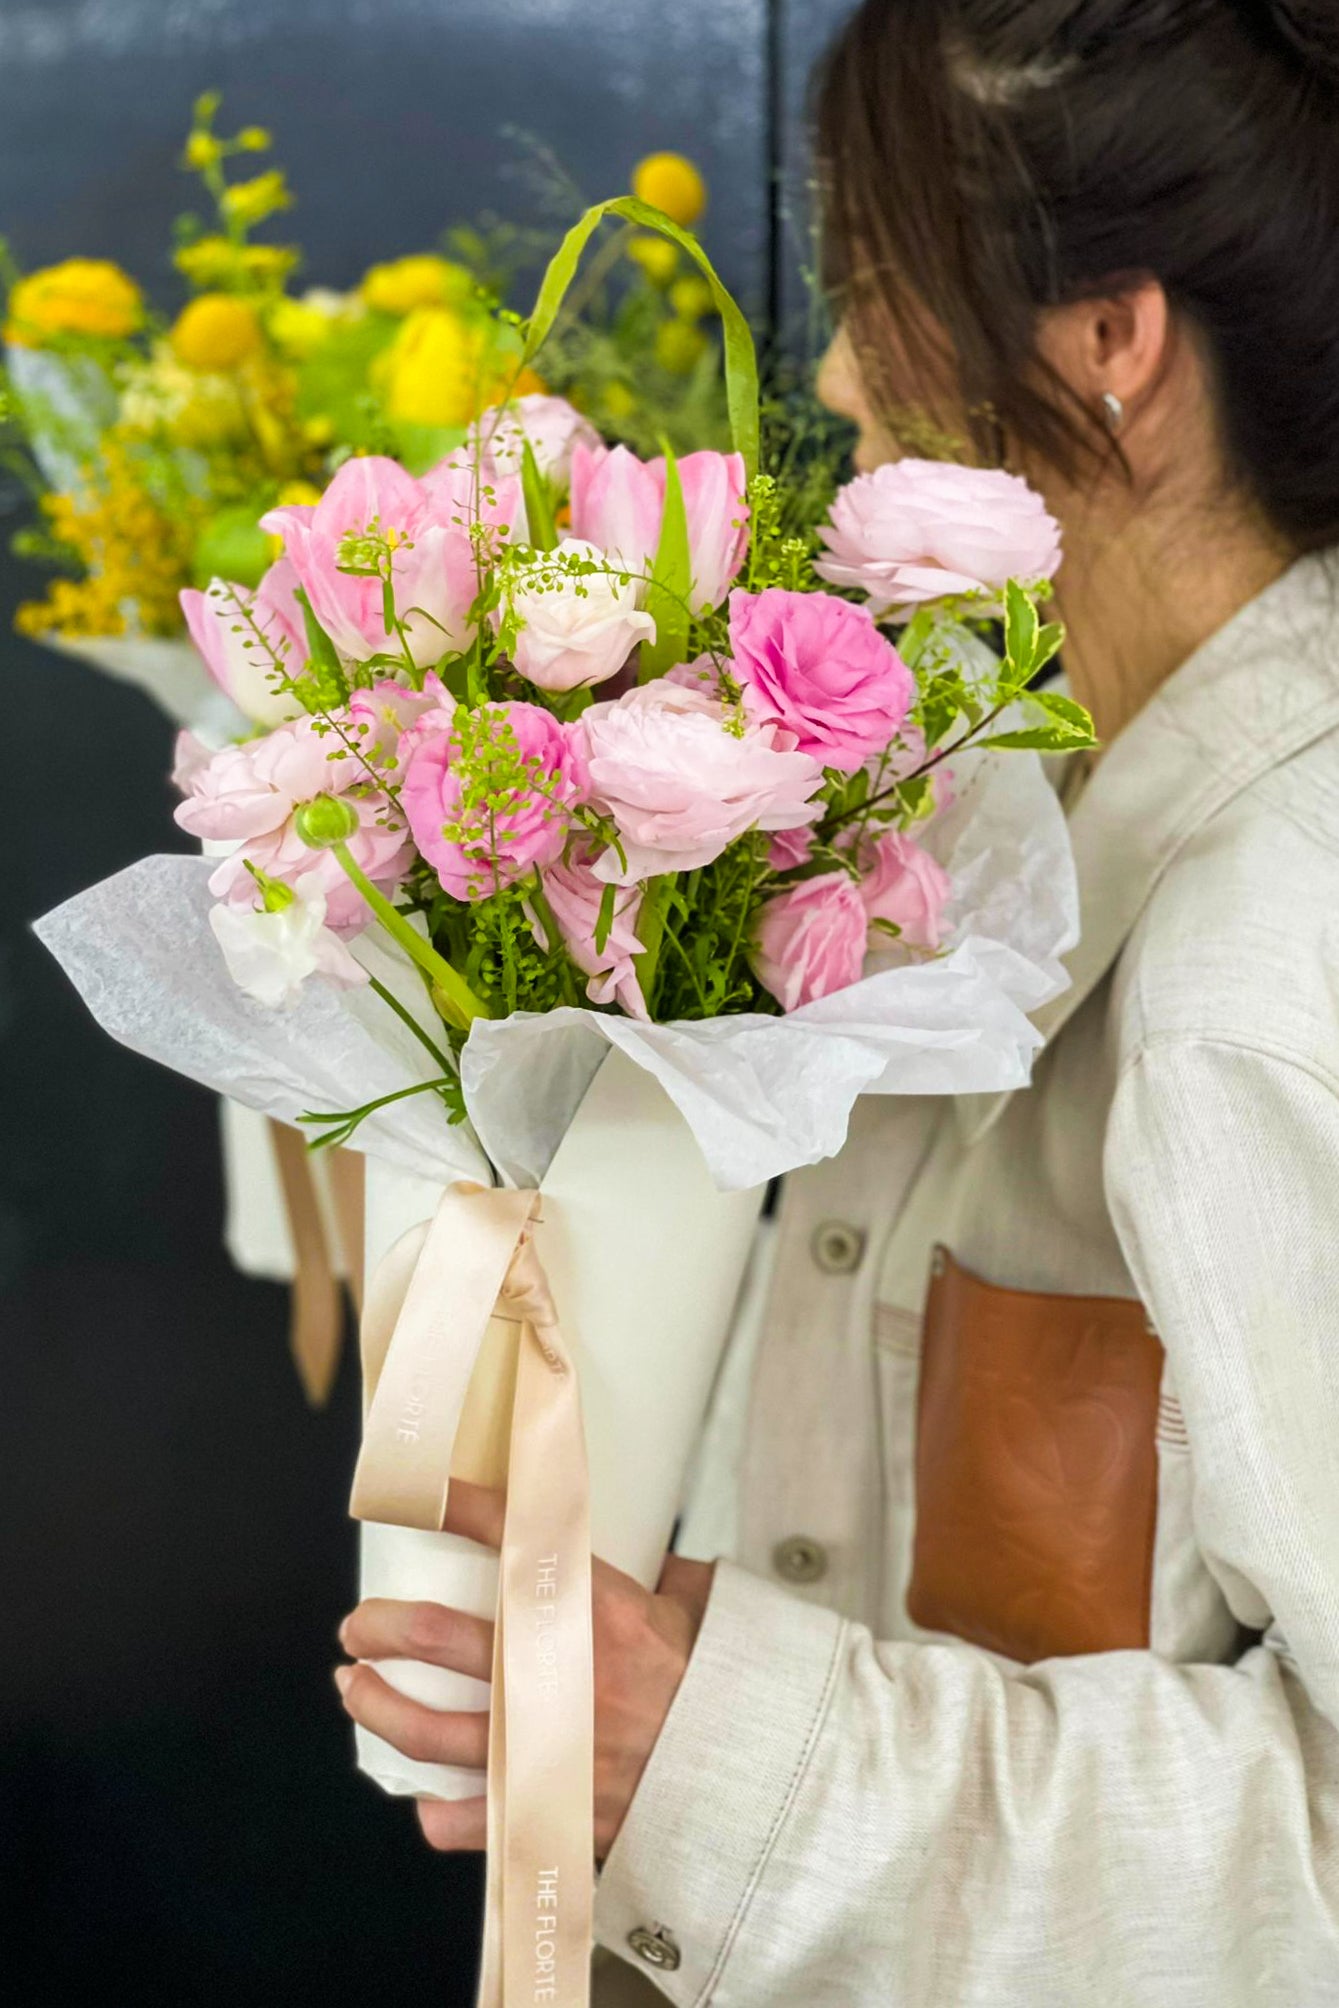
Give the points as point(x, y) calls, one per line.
point(605, 919)
point(741, 360)
point(538, 508)
point(671, 581)
point(1020, 635)
point(1066, 712)
point(1065, 726)
point(1038, 739)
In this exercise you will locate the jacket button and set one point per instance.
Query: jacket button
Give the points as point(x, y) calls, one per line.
point(800, 1559)
point(837, 1248)
point(656, 1947)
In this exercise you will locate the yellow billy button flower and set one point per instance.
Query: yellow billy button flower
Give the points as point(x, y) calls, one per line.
point(671, 182)
point(680, 346)
point(420, 280)
point(80, 296)
point(690, 297)
point(658, 258)
point(299, 330)
point(216, 332)
point(250, 202)
point(432, 370)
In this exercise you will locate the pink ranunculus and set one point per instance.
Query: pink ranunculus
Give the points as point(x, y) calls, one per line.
point(251, 640)
point(618, 502)
point(249, 795)
point(575, 895)
point(455, 787)
point(574, 629)
point(434, 569)
point(905, 886)
point(914, 531)
point(820, 667)
point(549, 425)
point(681, 778)
point(789, 849)
point(810, 940)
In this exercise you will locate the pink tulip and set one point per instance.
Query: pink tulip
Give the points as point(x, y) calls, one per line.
point(434, 567)
point(251, 640)
point(810, 940)
point(618, 502)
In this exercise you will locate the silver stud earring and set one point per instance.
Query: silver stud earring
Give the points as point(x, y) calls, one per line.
point(1113, 410)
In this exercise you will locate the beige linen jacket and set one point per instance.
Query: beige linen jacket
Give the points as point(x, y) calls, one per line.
point(843, 1809)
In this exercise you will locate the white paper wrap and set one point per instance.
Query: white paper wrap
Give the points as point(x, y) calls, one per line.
point(652, 1189)
point(645, 1257)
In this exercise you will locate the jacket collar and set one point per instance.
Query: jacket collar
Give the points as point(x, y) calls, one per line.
point(1258, 691)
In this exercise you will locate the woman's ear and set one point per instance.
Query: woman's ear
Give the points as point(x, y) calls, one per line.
point(1111, 346)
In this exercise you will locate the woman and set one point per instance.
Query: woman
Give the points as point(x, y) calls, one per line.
point(1027, 1692)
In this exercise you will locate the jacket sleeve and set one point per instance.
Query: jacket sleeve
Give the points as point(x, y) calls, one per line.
point(831, 1820)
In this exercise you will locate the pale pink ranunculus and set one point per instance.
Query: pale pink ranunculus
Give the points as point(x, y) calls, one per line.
point(249, 795)
point(618, 502)
point(250, 641)
point(902, 884)
point(434, 569)
point(810, 940)
point(493, 842)
point(575, 629)
point(681, 778)
point(575, 895)
point(915, 531)
point(550, 426)
point(820, 667)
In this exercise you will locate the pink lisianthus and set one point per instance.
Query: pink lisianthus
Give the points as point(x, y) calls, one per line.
point(820, 667)
point(251, 641)
point(618, 502)
point(574, 895)
point(249, 795)
point(915, 531)
point(550, 426)
point(810, 940)
point(380, 717)
point(905, 887)
point(434, 565)
point(681, 778)
point(488, 794)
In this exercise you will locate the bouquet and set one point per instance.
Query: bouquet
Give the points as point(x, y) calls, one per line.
point(610, 835)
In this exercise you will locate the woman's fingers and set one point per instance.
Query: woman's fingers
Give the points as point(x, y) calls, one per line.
point(382, 1629)
point(430, 1735)
point(454, 1823)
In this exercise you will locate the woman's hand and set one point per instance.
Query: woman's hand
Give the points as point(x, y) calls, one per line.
point(642, 1647)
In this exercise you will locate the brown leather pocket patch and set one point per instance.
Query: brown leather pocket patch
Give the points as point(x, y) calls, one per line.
point(1036, 1468)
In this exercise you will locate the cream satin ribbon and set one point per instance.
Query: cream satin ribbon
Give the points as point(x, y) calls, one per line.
point(439, 1400)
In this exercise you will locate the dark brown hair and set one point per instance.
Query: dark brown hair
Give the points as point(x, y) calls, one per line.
point(986, 159)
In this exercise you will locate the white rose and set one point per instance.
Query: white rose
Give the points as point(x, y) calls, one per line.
point(271, 955)
point(574, 629)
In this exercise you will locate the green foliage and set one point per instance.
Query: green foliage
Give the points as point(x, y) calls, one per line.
point(702, 966)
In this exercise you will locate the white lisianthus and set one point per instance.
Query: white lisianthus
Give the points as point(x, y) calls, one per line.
point(272, 950)
point(574, 627)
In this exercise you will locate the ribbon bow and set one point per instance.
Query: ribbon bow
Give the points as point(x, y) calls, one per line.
point(476, 1264)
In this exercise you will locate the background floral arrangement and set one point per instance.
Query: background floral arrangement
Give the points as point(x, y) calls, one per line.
point(155, 446)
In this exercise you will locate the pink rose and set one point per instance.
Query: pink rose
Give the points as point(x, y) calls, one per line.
point(905, 886)
point(251, 640)
point(434, 565)
point(488, 794)
point(574, 895)
point(920, 530)
point(820, 667)
point(810, 940)
point(249, 795)
point(550, 426)
point(618, 502)
point(682, 778)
